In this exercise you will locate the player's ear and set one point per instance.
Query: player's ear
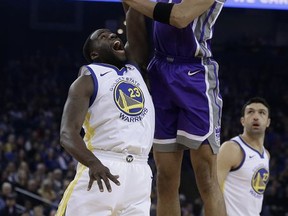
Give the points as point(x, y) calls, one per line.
point(94, 55)
point(268, 122)
point(242, 121)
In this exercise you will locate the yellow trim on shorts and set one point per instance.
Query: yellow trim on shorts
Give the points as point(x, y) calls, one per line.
point(63, 204)
point(89, 133)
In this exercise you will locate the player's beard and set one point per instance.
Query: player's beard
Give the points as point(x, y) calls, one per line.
point(110, 57)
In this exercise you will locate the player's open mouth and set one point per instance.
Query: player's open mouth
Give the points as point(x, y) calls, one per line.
point(118, 47)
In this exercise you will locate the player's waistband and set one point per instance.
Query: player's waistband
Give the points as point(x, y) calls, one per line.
point(176, 59)
point(127, 157)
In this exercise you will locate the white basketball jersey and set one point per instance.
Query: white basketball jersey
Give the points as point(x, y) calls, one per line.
point(244, 186)
point(121, 116)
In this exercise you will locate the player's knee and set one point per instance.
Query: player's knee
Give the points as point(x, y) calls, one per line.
point(206, 177)
point(207, 185)
point(165, 181)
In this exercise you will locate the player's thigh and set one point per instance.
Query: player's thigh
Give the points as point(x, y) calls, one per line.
point(140, 209)
point(83, 202)
point(136, 198)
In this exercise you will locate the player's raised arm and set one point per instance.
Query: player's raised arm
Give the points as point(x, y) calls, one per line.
point(178, 15)
point(136, 46)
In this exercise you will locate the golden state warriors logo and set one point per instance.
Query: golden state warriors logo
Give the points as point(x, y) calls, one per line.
point(129, 98)
point(260, 180)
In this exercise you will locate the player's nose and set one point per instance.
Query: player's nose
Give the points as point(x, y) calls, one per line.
point(112, 36)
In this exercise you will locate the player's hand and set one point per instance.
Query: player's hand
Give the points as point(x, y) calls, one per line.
point(100, 173)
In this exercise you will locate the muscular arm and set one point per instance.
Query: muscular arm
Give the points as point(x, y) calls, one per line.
point(74, 113)
point(73, 117)
point(136, 46)
point(229, 157)
point(181, 15)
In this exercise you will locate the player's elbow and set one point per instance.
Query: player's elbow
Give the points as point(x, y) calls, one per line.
point(64, 137)
point(179, 18)
point(182, 16)
point(179, 21)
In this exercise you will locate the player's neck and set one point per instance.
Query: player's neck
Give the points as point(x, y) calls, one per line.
point(255, 141)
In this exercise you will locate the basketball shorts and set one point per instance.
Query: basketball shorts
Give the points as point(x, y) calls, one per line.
point(187, 102)
point(131, 198)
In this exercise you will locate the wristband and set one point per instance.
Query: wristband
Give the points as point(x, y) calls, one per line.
point(162, 12)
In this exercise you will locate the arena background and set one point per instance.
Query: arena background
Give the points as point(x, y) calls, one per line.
point(41, 52)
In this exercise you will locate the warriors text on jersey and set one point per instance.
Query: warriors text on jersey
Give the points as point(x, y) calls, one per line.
point(119, 129)
point(121, 114)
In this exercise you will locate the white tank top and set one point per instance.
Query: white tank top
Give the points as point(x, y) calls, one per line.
point(121, 116)
point(245, 185)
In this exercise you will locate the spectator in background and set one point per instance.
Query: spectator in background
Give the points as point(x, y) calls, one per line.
point(57, 180)
point(10, 172)
point(10, 208)
point(10, 147)
point(6, 189)
point(40, 173)
point(38, 210)
point(33, 187)
point(46, 191)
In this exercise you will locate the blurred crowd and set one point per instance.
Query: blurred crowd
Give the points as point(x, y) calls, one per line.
point(35, 170)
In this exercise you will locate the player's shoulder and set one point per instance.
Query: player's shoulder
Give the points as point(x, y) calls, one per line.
point(84, 70)
point(231, 153)
point(131, 65)
point(231, 147)
point(231, 144)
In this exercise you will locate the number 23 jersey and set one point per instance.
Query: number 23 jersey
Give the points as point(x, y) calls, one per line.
point(121, 116)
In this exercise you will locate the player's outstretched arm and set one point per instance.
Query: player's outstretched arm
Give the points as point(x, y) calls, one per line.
point(74, 113)
point(137, 45)
point(178, 15)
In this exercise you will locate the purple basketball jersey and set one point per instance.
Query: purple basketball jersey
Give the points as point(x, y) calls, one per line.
point(184, 84)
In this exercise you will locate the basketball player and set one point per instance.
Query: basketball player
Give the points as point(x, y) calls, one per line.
point(111, 101)
point(185, 91)
point(243, 162)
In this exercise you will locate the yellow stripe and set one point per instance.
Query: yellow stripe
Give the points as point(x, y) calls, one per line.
point(89, 131)
point(63, 204)
point(222, 187)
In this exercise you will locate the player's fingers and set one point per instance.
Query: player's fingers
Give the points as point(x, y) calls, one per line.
point(107, 183)
point(114, 178)
point(100, 184)
point(90, 184)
